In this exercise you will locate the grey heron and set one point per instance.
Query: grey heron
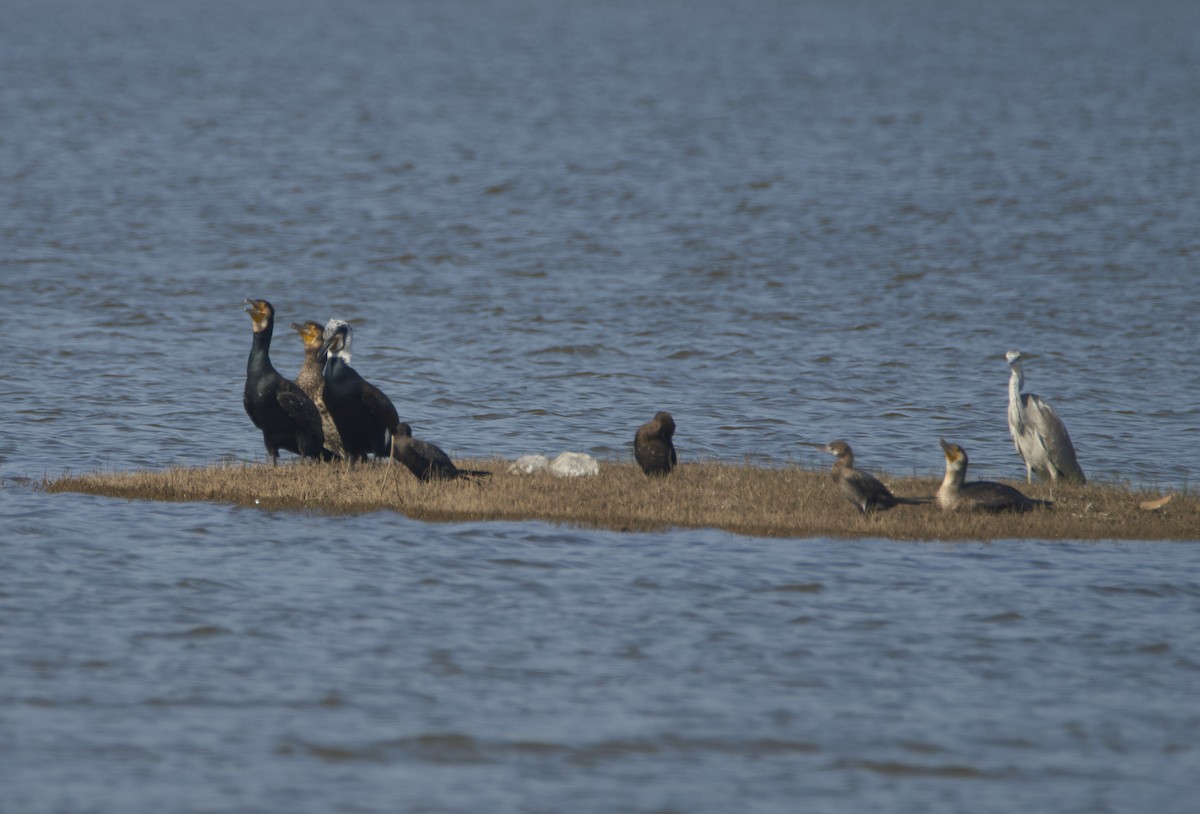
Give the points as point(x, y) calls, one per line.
point(1038, 433)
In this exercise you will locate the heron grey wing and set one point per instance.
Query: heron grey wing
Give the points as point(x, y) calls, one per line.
point(1052, 435)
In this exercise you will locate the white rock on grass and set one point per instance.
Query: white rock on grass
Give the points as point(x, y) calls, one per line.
point(574, 464)
point(528, 464)
point(566, 465)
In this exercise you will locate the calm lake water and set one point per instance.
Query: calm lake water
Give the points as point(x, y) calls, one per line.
point(780, 221)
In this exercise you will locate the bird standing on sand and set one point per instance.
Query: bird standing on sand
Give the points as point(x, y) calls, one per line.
point(861, 488)
point(287, 417)
point(365, 418)
point(1038, 433)
point(956, 494)
point(652, 445)
point(426, 460)
point(312, 382)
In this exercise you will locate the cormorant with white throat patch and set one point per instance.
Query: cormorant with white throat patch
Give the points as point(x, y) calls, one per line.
point(365, 418)
point(956, 494)
point(287, 417)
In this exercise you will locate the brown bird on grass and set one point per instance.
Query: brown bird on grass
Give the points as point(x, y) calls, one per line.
point(652, 445)
point(861, 488)
point(312, 382)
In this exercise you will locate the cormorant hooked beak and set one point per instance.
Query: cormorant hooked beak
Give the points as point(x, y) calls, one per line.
point(951, 451)
point(338, 337)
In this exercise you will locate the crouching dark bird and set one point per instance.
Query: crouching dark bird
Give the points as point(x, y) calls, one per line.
point(427, 461)
point(287, 417)
point(653, 448)
point(956, 494)
point(365, 418)
point(861, 488)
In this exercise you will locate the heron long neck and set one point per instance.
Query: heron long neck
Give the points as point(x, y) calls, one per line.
point(1016, 381)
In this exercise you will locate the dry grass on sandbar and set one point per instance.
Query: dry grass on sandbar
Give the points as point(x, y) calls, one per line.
point(745, 499)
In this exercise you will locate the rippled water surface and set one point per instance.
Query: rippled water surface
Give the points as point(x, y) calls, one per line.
point(780, 221)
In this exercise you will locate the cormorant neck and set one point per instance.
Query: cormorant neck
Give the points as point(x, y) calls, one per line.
point(955, 476)
point(260, 348)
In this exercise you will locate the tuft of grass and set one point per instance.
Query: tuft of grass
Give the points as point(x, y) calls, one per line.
point(740, 498)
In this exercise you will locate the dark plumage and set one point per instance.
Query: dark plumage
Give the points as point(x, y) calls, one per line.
point(312, 381)
point(425, 460)
point(652, 445)
point(956, 494)
point(861, 488)
point(365, 418)
point(287, 417)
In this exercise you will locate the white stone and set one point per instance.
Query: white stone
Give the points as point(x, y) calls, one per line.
point(574, 464)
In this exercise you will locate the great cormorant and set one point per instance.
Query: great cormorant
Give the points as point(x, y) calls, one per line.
point(287, 417)
point(861, 488)
point(312, 382)
point(1038, 433)
point(426, 460)
point(365, 418)
point(957, 495)
point(652, 445)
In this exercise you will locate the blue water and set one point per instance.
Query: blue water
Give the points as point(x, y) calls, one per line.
point(782, 222)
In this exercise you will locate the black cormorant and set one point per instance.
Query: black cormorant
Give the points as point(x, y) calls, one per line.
point(287, 417)
point(652, 445)
point(861, 488)
point(426, 460)
point(955, 494)
point(312, 382)
point(365, 418)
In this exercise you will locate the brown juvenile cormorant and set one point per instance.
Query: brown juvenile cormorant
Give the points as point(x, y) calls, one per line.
point(1038, 433)
point(861, 488)
point(426, 460)
point(365, 418)
point(287, 417)
point(955, 494)
point(652, 445)
point(312, 382)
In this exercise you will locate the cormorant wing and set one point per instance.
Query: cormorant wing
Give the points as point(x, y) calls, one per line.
point(434, 454)
point(868, 484)
point(380, 405)
point(995, 497)
point(301, 408)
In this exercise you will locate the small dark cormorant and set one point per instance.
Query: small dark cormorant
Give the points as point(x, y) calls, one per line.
point(426, 460)
point(312, 382)
point(957, 495)
point(861, 488)
point(1038, 433)
point(365, 418)
point(652, 445)
point(287, 417)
